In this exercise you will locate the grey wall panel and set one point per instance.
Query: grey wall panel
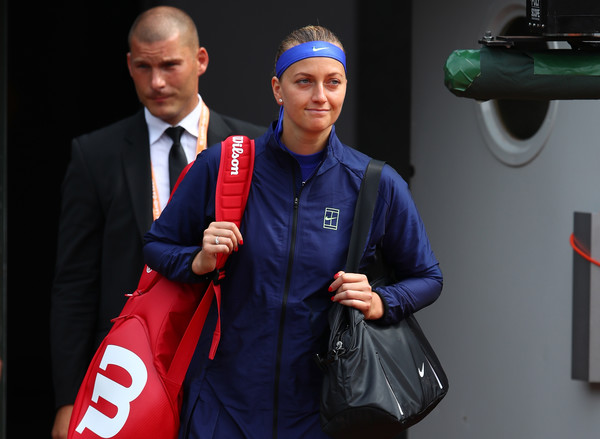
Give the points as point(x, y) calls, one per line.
point(503, 323)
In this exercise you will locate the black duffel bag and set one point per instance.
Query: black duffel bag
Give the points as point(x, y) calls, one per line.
point(379, 379)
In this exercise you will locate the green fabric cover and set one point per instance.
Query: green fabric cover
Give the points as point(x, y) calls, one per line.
point(462, 68)
point(509, 73)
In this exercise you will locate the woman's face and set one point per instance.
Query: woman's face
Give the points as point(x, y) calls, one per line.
point(313, 92)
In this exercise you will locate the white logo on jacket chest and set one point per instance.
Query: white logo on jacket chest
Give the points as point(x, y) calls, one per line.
point(331, 218)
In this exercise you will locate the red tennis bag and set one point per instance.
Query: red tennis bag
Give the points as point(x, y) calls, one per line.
point(132, 388)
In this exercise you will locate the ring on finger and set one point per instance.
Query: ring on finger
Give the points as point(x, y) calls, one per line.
point(216, 240)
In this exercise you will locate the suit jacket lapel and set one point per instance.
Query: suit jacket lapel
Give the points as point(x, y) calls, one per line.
point(138, 174)
point(218, 130)
point(137, 167)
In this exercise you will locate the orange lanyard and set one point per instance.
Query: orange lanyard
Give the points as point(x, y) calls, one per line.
point(200, 146)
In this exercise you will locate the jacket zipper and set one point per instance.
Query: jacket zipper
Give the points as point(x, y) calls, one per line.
point(286, 291)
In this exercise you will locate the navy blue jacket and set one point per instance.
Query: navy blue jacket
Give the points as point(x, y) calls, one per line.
point(263, 381)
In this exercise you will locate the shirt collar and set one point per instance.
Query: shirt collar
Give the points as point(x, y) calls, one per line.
point(156, 126)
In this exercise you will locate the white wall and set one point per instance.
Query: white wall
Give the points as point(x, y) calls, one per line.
point(502, 326)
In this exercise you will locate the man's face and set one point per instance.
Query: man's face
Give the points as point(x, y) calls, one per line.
point(165, 74)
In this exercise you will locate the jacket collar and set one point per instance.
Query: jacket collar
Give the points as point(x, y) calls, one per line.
point(218, 129)
point(333, 154)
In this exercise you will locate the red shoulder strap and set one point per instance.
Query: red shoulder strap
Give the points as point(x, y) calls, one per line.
point(233, 183)
point(233, 186)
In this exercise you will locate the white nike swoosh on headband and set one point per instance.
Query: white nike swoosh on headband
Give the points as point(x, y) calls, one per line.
point(316, 49)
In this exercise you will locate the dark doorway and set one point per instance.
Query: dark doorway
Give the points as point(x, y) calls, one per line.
point(66, 75)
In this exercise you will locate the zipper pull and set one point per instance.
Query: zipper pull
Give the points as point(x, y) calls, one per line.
point(338, 350)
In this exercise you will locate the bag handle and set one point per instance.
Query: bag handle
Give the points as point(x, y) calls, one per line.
point(233, 185)
point(363, 214)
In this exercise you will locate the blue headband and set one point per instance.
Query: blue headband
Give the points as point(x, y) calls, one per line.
point(308, 50)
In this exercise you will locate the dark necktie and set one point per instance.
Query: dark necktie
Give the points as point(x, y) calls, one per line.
point(177, 160)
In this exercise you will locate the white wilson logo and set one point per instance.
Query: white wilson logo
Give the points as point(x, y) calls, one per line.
point(114, 393)
point(236, 150)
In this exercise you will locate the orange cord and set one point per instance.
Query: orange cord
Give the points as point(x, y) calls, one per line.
point(581, 253)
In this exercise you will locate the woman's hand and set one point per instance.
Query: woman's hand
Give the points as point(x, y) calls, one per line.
point(220, 237)
point(353, 289)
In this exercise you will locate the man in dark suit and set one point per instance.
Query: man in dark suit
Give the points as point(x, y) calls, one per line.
point(116, 183)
